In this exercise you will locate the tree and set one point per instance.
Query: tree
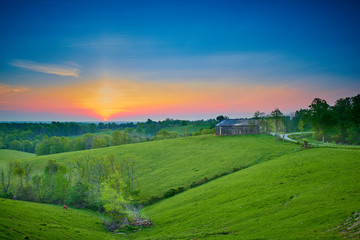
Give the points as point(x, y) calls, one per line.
point(221, 118)
point(259, 115)
point(128, 170)
point(276, 115)
point(128, 130)
point(15, 145)
point(37, 187)
point(139, 129)
point(49, 178)
point(20, 172)
point(88, 140)
point(162, 134)
point(320, 117)
point(99, 142)
point(9, 170)
point(27, 146)
point(115, 198)
point(28, 168)
point(78, 144)
point(342, 112)
point(119, 138)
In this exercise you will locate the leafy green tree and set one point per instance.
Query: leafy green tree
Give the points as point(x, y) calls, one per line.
point(321, 117)
point(342, 112)
point(15, 145)
point(49, 178)
point(62, 184)
point(43, 147)
point(115, 198)
point(9, 170)
point(20, 172)
point(119, 138)
point(128, 130)
point(36, 180)
point(99, 142)
point(78, 144)
point(221, 118)
point(139, 129)
point(27, 146)
point(88, 139)
point(162, 134)
point(276, 116)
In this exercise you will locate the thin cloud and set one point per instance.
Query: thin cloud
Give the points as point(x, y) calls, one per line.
point(47, 68)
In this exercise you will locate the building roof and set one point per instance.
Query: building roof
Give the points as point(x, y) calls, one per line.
point(237, 122)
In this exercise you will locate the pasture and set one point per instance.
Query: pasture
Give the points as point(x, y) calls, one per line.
point(26, 220)
point(172, 163)
point(303, 195)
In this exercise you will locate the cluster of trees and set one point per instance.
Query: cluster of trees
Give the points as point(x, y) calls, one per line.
point(99, 183)
point(48, 138)
point(338, 123)
point(87, 141)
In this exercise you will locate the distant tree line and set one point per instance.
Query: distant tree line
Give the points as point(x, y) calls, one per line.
point(339, 123)
point(50, 138)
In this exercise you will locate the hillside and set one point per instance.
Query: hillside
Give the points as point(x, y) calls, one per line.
point(303, 195)
point(25, 220)
point(173, 163)
point(10, 155)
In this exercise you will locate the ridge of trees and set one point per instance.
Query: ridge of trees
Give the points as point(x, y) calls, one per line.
point(50, 138)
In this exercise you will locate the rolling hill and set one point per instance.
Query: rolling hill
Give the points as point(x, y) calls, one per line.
point(25, 220)
point(280, 194)
point(173, 163)
point(303, 195)
point(11, 155)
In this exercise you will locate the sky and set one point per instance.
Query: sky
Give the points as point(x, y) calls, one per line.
point(134, 60)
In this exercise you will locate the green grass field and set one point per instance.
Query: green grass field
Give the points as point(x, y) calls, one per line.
point(25, 220)
point(282, 194)
point(11, 155)
point(301, 195)
point(173, 163)
point(316, 143)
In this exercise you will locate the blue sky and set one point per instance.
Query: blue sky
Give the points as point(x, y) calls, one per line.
point(313, 45)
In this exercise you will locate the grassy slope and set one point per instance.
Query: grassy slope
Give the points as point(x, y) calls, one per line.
point(297, 196)
point(10, 155)
point(178, 162)
point(24, 220)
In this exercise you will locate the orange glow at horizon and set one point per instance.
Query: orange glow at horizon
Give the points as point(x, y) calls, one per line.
point(116, 98)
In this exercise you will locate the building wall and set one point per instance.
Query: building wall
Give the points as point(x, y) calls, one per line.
point(237, 130)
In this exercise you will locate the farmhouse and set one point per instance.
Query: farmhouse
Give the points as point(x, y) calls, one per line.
point(237, 127)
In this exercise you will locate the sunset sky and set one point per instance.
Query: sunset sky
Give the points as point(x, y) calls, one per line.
point(134, 60)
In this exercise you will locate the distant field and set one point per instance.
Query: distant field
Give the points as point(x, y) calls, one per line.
point(178, 162)
point(10, 155)
point(302, 195)
point(106, 132)
point(25, 220)
point(188, 129)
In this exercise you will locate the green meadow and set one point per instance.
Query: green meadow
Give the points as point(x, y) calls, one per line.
point(275, 192)
point(302, 195)
point(25, 220)
point(172, 163)
point(11, 155)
